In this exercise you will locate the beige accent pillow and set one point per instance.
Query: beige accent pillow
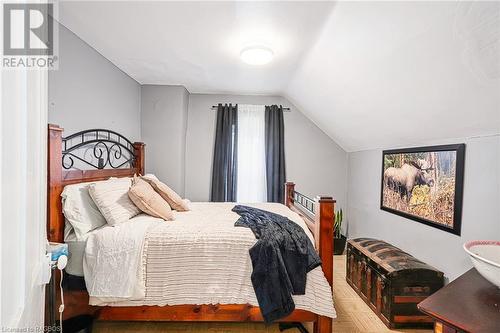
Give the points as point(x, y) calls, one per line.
point(111, 197)
point(173, 199)
point(147, 200)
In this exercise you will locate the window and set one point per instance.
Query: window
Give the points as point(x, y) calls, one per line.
point(249, 154)
point(251, 162)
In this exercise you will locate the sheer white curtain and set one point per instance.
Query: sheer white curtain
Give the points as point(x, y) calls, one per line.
point(251, 154)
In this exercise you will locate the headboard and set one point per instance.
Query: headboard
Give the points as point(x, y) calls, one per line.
point(111, 155)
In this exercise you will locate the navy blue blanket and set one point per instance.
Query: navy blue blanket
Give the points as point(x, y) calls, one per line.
point(281, 259)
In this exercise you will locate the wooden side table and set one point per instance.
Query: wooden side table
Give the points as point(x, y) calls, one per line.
point(468, 304)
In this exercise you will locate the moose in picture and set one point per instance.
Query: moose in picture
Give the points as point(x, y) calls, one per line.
point(425, 184)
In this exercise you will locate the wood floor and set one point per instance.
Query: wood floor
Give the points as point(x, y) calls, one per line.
point(353, 316)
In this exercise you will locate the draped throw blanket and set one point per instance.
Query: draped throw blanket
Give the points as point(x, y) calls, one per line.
point(275, 154)
point(281, 259)
point(224, 166)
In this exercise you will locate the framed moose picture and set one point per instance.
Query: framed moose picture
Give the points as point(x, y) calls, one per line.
point(425, 184)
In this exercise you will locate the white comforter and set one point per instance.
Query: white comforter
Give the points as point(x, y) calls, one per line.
point(200, 258)
point(113, 259)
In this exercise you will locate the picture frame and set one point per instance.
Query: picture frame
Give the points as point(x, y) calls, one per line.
point(425, 184)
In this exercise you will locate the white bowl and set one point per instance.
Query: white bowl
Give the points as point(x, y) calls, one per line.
point(485, 255)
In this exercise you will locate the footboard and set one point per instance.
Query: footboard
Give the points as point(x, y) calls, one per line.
point(318, 214)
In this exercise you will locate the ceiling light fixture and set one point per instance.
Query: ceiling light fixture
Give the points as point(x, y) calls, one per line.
point(256, 55)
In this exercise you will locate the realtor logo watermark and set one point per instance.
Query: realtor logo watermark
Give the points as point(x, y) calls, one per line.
point(28, 36)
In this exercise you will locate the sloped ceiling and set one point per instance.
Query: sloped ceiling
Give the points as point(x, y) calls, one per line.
point(385, 74)
point(369, 74)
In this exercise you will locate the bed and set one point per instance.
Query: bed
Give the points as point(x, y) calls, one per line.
point(167, 272)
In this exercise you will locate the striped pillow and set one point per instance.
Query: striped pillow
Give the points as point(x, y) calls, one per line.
point(111, 197)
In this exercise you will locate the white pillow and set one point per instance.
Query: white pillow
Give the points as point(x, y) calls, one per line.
point(80, 211)
point(111, 197)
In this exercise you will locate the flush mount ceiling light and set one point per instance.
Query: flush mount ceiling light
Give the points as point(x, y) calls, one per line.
point(256, 55)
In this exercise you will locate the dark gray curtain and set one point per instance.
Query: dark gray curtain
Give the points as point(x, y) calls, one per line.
point(225, 154)
point(275, 154)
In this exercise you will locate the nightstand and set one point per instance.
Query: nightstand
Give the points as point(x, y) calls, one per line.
point(468, 304)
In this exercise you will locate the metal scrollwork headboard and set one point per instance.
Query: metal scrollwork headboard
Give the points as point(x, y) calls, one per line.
point(98, 148)
point(87, 156)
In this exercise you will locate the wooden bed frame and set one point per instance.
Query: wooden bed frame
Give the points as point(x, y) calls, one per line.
point(318, 215)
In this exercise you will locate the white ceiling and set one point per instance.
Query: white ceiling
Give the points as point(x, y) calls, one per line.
point(198, 44)
point(370, 74)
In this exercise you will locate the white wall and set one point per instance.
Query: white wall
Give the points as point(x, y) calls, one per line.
point(313, 161)
point(443, 250)
point(164, 116)
point(88, 91)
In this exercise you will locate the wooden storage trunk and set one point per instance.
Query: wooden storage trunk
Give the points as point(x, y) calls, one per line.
point(391, 281)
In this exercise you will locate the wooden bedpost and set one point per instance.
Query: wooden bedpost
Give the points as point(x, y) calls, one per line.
point(324, 215)
point(289, 189)
point(318, 215)
point(139, 157)
point(324, 220)
point(55, 233)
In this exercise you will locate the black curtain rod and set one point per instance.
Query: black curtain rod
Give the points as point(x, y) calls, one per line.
point(214, 107)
